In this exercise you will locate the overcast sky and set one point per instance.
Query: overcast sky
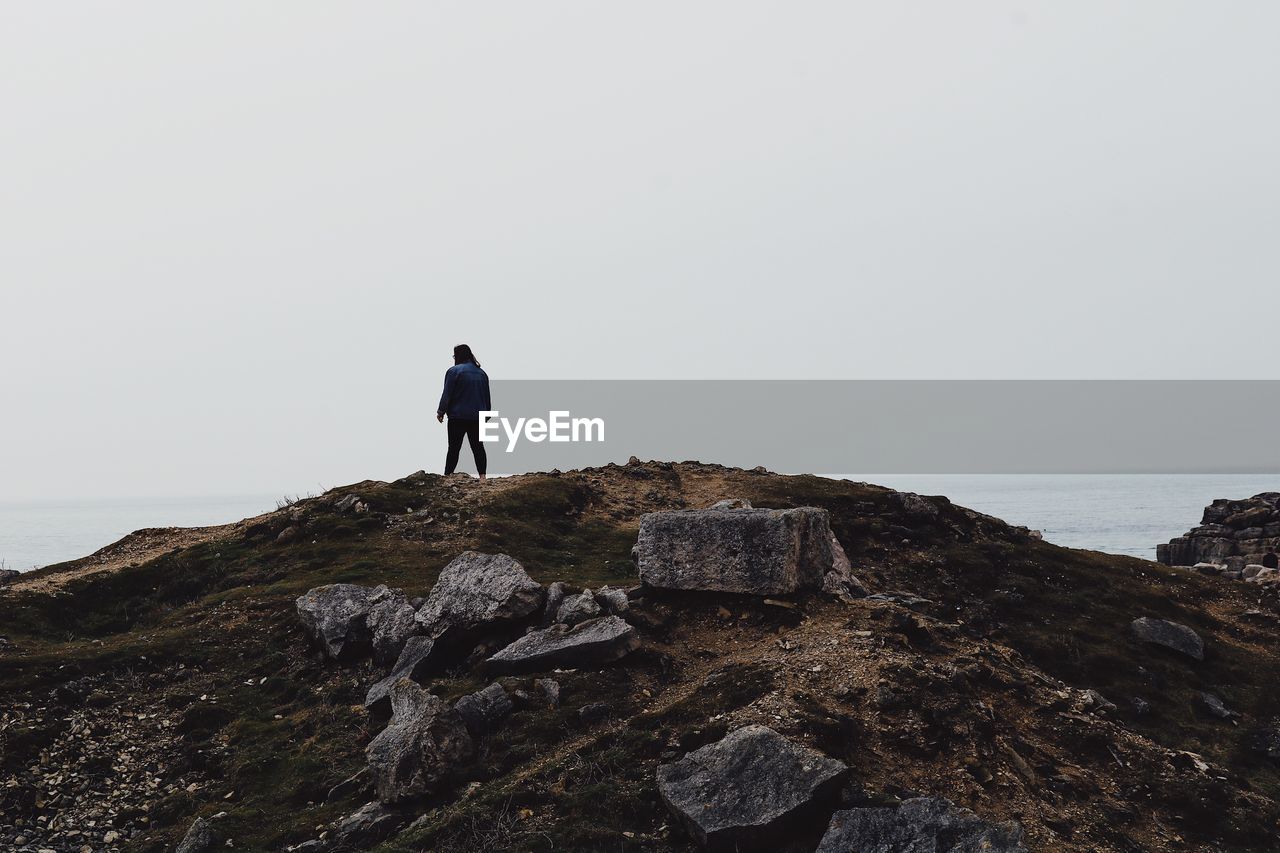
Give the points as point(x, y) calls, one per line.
point(239, 239)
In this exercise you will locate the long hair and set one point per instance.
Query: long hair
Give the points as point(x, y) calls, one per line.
point(462, 355)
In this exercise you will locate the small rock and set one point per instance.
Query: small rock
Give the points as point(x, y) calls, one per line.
point(199, 838)
point(371, 824)
point(550, 689)
point(346, 503)
point(578, 608)
point(555, 596)
point(1215, 706)
point(613, 601)
point(594, 712)
point(414, 663)
point(483, 710)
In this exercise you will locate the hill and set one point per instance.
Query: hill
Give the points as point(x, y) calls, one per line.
point(999, 671)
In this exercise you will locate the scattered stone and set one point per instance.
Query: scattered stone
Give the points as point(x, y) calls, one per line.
point(414, 663)
point(474, 591)
point(335, 618)
point(550, 689)
point(418, 750)
point(371, 824)
point(596, 642)
point(391, 622)
point(924, 824)
point(1215, 707)
point(346, 504)
point(753, 551)
point(613, 601)
point(578, 608)
point(731, 503)
point(744, 789)
point(595, 712)
point(483, 710)
point(1171, 635)
point(199, 838)
point(1095, 703)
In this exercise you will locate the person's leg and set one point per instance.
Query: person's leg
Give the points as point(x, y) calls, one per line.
point(457, 429)
point(477, 447)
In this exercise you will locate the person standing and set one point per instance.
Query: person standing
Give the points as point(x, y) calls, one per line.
point(466, 395)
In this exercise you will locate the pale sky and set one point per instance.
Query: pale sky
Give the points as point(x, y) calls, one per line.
point(239, 239)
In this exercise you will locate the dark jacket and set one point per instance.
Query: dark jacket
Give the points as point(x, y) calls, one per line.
point(466, 393)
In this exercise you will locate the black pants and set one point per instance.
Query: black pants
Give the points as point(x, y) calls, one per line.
point(470, 429)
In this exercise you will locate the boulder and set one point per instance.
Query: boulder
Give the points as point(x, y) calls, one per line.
point(476, 591)
point(613, 601)
point(199, 838)
point(366, 827)
point(591, 643)
point(483, 710)
point(923, 824)
point(7, 575)
point(391, 623)
point(413, 663)
point(335, 618)
point(415, 754)
point(578, 608)
point(1171, 635)
point(732, 503)
point(745, 790)
point(752, 551)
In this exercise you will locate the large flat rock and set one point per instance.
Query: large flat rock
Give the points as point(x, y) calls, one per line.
point(743, 791)
point(592, 643)
point(751, 551)
point(1171, 635)
point(920, 825)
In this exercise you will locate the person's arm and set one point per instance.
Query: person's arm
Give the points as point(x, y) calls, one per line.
point(484, 396)
point(444, 397)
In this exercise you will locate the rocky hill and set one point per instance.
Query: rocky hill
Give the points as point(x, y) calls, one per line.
point(956, 681)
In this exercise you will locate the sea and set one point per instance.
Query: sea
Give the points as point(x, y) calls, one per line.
point(1114, 513)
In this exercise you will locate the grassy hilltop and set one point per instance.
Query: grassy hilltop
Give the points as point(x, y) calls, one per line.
point(141, 693)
